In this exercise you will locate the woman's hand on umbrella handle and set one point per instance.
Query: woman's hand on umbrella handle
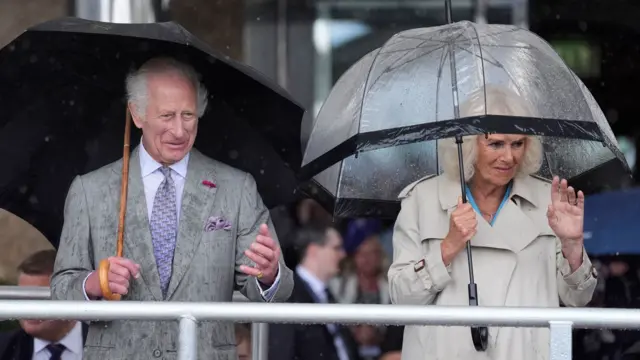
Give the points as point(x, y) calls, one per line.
point(462, 227)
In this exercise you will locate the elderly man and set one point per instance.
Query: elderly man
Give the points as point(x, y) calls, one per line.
point(195, 228)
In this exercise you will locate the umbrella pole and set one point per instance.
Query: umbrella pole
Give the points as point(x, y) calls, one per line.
point(104, 264)
point(479, 335)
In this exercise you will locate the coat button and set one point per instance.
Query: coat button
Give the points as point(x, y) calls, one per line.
point(157, 353)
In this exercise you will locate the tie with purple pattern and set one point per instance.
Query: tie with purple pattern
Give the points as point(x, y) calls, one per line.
point(164, 223)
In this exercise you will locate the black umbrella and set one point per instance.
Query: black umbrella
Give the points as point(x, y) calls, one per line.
point(379, 129)
point(62, 88)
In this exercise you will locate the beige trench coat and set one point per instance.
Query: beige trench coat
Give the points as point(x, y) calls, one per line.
point(517, 262)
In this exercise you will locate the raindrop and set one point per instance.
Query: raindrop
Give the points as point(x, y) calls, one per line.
point(258, 18)
point(233, 154)
point(23, 189)
point(583, 25)
point(47, 138)
point(33, 59)
point(261, 171)
point(33, 200)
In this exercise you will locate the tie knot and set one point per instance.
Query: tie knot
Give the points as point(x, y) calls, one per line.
point(56, 350)
point(166, 171)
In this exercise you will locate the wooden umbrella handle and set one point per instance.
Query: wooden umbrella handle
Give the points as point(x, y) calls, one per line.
point(103, 270)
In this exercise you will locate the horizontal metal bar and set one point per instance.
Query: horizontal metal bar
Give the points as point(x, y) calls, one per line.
point(410, 4)
point(43, 293)
point(25, 292)
point(322, 313)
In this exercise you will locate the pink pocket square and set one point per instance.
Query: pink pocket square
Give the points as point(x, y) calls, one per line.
point(217, 223)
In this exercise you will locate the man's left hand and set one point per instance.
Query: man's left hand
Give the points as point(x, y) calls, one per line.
point(265, 253)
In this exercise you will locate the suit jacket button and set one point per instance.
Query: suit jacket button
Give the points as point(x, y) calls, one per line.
point(157, 353)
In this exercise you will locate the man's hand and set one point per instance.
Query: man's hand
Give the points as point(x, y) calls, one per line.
point(121, 271)
point(265, 253)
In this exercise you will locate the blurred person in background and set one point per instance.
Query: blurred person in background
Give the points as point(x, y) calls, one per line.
point(527, 238)
point(364, 280)
point(243, 341)
point(42, 339)
point(391, 348)
point(321, 251)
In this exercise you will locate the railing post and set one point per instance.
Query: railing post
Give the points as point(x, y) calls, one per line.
point(560, 340)
point(260, 341)
point(188, 342)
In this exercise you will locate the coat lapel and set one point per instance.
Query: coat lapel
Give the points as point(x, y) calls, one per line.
point(196, 200)
point(512, 230)
point(137, 236)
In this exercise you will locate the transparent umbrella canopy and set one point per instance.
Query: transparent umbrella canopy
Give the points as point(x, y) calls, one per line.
point(379, 129)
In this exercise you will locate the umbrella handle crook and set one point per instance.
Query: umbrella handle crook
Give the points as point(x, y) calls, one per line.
point(104, 264)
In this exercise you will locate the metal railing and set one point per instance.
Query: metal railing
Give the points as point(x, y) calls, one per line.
point(559, 320)
point(259, 331)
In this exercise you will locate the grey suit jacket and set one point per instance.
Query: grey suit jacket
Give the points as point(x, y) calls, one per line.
point(206, 264)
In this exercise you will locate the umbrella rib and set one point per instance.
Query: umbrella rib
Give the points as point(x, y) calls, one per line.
point(391, 68)
point(443, 57)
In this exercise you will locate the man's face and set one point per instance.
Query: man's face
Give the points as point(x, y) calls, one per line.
point(170, 123)
point(331, 253)
point(39, 328)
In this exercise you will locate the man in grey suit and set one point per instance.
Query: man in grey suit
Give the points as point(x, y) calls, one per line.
point(195, 228)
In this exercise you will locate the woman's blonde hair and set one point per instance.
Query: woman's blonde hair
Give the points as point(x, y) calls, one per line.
point(489, 100)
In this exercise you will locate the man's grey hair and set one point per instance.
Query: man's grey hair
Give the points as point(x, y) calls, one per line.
point(489, 100)
point(137, 89)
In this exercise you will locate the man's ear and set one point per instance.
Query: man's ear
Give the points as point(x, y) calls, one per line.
point(137, 120)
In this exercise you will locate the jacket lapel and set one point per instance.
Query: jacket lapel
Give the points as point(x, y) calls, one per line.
point(137, 236)
point(197, 198)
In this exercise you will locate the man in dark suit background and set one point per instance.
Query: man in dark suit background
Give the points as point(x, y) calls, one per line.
point(42, 340)
point(320, 249)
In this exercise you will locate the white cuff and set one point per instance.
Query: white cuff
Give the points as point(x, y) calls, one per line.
point(268, 294)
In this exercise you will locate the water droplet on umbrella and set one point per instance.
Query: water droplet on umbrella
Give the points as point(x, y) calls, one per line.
point(47, 138)
point(23, 189)
point(33, 200)
point(233, 154)
point(33, 59)
point(261, 171)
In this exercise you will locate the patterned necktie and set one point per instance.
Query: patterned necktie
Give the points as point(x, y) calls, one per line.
point(164, 223)
point(56, 351)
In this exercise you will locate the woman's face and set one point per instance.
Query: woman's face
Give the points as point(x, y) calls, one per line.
point(499, 157)
point(368, 256)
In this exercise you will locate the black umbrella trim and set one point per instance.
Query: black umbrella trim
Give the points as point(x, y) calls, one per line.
point(473, 125)
point(613, 173)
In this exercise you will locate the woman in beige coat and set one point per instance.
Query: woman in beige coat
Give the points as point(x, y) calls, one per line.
point(527, 251)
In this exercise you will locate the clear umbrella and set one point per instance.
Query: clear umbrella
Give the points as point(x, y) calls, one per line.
point(381, 126)
point(378, 130)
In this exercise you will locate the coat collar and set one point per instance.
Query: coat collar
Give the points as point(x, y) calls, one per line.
point(449, 190)
point(525, 208)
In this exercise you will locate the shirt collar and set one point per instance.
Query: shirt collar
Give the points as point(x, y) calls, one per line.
point(148, 165)
point(72, 341)
point(316, 285)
